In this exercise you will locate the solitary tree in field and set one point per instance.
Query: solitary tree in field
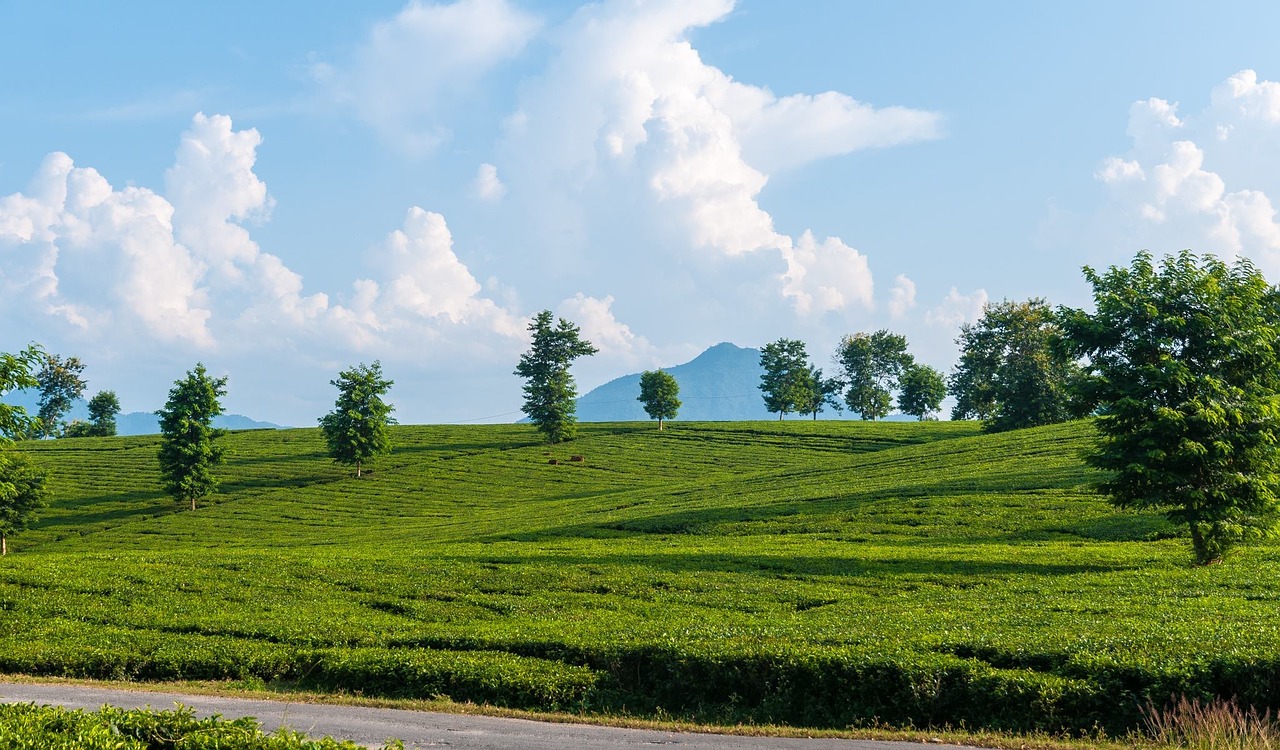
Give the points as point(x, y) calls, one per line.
point(1184, 363)
point(60, 385)
point(22, 495)
point(1013, 371)
point(550, 395)
point(188, 448)
point(785, 382)
point(872, 364)
point(17, 373)
point(660, 395)
point(922, 391)
point(356, 429)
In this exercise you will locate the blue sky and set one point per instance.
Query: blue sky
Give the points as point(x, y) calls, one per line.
point(283, 189)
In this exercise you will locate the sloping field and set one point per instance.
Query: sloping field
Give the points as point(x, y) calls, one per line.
point(811, 573)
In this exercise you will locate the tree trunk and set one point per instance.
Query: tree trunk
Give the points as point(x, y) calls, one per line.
point(193, 503)
point(780, 416)
point(4, 545)
point(659, 424)
point(815, 415)
point(1200, 547)
point(357, 468)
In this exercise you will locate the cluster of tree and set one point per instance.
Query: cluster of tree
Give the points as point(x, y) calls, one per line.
point(60, 384)
point(872, 367)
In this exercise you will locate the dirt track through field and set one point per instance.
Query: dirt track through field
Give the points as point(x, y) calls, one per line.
point(420, 729)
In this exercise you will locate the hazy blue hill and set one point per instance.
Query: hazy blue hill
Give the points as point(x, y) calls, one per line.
point(135, 422)
point(721, 384)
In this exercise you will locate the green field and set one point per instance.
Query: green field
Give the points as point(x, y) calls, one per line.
point(810, 573)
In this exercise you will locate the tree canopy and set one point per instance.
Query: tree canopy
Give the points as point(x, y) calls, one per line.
point(1184, 364)
point(550, 394)
point(660, 395)
point(17, 372)
point(188, 447)
point(1014, 370)
point(103, 408)
point(819, 392)
point(872, 364)
point(785, 383)
point(923, 389)
point(60, 385)
point(357, 428)
point(22, 494)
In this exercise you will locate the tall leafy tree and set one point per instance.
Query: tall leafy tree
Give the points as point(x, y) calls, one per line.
point(188, 445)
point(60, 384)
point(357, 428)
point(17, 372)
point(103, 409)
point(922, 390)
point(1014, 370)
point(550, 394)
point(1184, 363)
point(22, 494)
point(872, 364)
point(660, 395)
point(820, 392)
point(785, 382)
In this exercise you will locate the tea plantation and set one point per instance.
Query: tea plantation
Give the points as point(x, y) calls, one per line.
point(810, 573)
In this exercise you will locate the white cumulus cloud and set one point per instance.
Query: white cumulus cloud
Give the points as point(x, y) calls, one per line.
point(957, 308)
point(487, 186)
point(1204, 181)
point(902, 297)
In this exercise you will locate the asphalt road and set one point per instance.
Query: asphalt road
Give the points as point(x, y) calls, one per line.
point(420, 729)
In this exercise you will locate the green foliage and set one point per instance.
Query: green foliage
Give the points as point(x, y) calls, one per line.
point(810, 573)
point(188, 449)
point(103, 408)
point(660, 395)
point(1014, 371)
point(25, 726)
point(22, 494)
point(923, 389)
point(550, 395)
point(819, 392)
point(356, 429)
point(60, 385)
point(1184, 360)
point(785, 383)
point(873, 363)
point(16, 373)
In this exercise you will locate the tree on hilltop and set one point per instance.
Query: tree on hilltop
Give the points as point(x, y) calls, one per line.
point(1184, 364)
point(923, 389)
point(103, 408)
point(872, 364)
point(188, 447)
point(60, 385)
point(1014, 371)
point(819, 392)
point(356, 429)
point(785, 383)
point(550, 394)
point(660, 395)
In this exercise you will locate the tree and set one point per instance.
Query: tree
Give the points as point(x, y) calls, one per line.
point(819, 392)
point(103, 408)
point(1014, 370)
point(356, 429)
point(872, 364)
point(60, 385)
point(1184, 364)
point(923, 389)
point(16, 374)
point(188, 447)
point(550, 395)
point(22, 495)
point(660, 394)
point(785, 381)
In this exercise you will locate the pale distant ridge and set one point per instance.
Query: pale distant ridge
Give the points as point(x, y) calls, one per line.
point(137, 422)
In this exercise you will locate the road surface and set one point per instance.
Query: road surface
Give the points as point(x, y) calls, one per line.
point(421, 729)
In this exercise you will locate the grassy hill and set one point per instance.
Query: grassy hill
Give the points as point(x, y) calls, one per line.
point(811, 573)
